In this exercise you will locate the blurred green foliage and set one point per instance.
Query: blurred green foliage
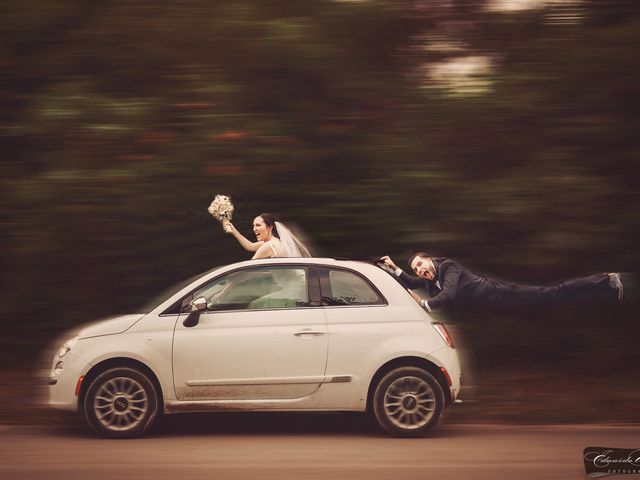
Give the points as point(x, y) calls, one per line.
point(121, 121)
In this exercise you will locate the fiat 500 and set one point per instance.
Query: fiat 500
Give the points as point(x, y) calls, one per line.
point(280, 334)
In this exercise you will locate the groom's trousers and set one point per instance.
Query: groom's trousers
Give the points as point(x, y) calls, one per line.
point(592, 288)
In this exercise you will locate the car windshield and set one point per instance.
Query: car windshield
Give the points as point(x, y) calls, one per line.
point(169, 292)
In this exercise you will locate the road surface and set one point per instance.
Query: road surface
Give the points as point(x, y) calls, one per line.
point(296, 446)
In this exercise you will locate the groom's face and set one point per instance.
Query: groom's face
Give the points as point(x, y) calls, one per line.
point(419, 266)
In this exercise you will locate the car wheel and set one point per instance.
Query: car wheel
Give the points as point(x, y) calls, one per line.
point(121, 403)
point(408, 402)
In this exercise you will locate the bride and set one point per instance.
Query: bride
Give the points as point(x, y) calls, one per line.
point(273, 239)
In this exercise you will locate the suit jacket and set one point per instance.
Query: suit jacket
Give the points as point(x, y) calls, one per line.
point(458, 286)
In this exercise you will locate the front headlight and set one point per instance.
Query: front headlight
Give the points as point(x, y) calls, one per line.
point(57, 370)
point(68, 345)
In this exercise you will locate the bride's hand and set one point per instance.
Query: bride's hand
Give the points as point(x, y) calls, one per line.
point(228, 226)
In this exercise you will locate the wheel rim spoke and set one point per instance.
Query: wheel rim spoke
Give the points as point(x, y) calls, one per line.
point(104, 414)
point(130, 387)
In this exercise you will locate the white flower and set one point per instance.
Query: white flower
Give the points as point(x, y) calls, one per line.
point(221, 208)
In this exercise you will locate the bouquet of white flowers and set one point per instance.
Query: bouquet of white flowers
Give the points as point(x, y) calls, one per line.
point(221, 208)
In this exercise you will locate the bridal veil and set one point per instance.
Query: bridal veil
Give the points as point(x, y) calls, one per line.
point(291, 246)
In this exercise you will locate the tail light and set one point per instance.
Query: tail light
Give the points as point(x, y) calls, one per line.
point(441, 329)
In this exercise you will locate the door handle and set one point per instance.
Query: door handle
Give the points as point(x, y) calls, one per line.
point(309, 332)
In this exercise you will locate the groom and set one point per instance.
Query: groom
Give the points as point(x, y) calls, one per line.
point(450, 284)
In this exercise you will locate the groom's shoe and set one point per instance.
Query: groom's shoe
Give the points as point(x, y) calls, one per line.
point(616, 283)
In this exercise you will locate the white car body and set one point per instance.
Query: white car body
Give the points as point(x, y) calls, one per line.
point(313, 358)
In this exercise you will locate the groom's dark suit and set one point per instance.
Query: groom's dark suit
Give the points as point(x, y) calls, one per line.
point(455, 285)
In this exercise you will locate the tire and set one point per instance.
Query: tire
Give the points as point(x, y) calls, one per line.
point(408, 402)
point(121, 403)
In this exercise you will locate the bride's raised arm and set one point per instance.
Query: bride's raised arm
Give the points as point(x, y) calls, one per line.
point(247, 244)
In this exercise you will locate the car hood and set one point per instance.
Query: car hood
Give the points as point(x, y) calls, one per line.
point(109, 326)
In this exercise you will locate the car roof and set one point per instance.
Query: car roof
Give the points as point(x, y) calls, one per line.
point(305, 260)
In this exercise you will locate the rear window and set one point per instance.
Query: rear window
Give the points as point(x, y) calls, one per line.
point(348, 288)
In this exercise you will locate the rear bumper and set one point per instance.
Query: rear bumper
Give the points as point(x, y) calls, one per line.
point(455, 373)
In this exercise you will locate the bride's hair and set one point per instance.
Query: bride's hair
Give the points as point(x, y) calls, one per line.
point(270, 220)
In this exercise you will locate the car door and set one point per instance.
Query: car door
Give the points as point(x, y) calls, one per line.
point(262, 336)
point(357, 322)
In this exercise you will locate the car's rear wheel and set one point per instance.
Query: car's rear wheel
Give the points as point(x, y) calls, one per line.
point(121, 403)
point(408, 402)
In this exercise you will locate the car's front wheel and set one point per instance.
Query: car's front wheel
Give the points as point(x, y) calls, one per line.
point(408, 402)
point(121, 402)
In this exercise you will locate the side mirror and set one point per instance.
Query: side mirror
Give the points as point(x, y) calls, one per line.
point(197, 306)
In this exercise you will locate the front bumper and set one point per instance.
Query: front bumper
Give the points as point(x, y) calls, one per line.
point(62, 385)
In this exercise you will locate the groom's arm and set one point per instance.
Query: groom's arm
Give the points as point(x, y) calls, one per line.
point(409, 280)
point(451, 278)
point(413, 283)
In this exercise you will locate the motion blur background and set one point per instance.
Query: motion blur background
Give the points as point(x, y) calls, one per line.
point(503, 133)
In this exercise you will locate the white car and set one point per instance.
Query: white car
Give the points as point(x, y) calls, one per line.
point(284, 334)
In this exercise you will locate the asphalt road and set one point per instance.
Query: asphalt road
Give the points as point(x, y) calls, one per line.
point(277, 446)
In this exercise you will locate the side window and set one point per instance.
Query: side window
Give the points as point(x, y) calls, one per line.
point(276, 287)
point(347, 288)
